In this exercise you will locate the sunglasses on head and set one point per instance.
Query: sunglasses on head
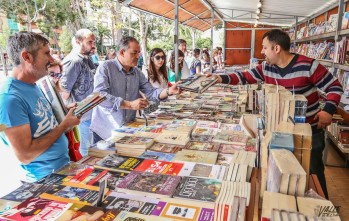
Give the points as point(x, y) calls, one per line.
point(158, 57)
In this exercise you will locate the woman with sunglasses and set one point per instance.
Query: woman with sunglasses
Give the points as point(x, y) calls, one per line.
point(157, 72)
point(171, 66)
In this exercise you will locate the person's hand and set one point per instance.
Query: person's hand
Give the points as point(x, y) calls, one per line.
point(72, 105)
point(70, 119)
point(218, 77)
point(139, 104)
point(324, 119)
point(174, 89)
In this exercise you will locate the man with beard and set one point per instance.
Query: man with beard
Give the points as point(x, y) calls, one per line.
point(33, 137)
point(77, 79)
point(122, 82)
point(301, 75)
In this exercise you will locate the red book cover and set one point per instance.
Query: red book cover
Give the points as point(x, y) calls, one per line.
point(160, 167)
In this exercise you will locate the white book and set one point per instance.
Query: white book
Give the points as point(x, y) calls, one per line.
point(272, 200)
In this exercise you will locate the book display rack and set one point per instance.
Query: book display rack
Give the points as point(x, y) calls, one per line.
point(162, 171)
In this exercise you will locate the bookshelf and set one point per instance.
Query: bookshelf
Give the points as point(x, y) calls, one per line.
point(334, 36)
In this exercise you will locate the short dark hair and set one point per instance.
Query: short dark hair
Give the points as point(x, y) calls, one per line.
point(181, 41)
point(279, 37)
point(23, 40)
point(196, 51)
point(124, 43)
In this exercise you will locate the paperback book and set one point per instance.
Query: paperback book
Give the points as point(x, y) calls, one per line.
point(195, 188)
point(118, 163)
point(149, 184)
point(36, 209)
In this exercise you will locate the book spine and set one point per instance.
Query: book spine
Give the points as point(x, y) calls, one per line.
point(90, 106)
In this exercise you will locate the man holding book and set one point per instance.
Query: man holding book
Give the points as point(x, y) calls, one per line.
point(301, 75)
point(77, 79)
point(122, 82)
point(33, 135)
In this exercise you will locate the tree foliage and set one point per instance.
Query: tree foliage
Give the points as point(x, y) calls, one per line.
point(203, 43)
point(65, 40)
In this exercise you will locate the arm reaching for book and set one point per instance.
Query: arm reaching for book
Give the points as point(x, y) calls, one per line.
point(138, 104)
point(170, 91)
point(26, 148)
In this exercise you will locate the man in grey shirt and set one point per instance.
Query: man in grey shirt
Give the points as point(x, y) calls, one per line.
point(121, 81)
point(77, 79)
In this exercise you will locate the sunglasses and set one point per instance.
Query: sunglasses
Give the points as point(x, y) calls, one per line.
point(158, 57)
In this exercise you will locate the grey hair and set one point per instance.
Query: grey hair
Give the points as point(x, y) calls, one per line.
point(124, 43)
point(82, 34)
point(24, 41)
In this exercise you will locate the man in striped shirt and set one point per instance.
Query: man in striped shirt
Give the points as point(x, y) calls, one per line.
point(303, 75)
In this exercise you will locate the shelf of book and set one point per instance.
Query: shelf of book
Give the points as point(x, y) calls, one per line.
point(344, 150)
point(343, 32)
point(325, 62)
point(325, 36)
point(343, 67)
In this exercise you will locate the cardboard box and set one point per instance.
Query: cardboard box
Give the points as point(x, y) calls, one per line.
point(303, 142)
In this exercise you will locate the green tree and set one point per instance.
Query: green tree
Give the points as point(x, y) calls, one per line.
point(65, 40)
point(203, 43)
point(3, 44)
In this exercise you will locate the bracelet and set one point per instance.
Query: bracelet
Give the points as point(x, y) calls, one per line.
point(168, 92)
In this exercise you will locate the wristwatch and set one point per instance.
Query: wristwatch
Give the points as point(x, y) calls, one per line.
point(168, 92)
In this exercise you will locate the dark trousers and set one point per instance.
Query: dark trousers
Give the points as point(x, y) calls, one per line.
point(316, 163)
point(96, 137)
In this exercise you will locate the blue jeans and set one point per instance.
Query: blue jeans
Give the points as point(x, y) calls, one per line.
point(85, 137)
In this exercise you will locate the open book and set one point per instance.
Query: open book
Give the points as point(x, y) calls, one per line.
point(197, 84)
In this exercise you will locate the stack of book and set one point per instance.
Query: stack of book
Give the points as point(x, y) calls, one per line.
point(285, 174)
point(133, 146)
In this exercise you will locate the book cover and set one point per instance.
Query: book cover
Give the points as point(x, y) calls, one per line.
point(81, 212)
point(37, 209)
point(159, 184)
point(195, 188)
point(54, 179)
point(134, 141)
point(72, 193)
point(98, 175)
point(231, 138)
point(130, 203)
point(166, 148)
point(197, 132)
point(160, 167)
point(171, 138)
point(26, 191)
point(157, 155)
point(211, 171)
point(89, 160)
point(196, 156)
point(230, 148)
point(197, 145)
point(177, 211)
point(117, 162)
point(109, 215)
point(224, 159)
point(72, 169)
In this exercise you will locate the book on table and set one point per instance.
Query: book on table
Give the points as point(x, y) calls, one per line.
point(116, 162)
point(149, 184)
point(197, 84)
point(36, 209)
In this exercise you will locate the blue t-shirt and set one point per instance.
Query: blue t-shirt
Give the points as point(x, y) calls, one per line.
point(22, 103)
point(195, 63)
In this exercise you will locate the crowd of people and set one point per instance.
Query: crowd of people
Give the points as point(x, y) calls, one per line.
point(43, 147)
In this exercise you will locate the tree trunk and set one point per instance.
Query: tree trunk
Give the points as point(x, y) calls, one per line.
point(143, 28)
point(118, 20)
point(193, 35)
point(3, 61)
point(101, 39)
